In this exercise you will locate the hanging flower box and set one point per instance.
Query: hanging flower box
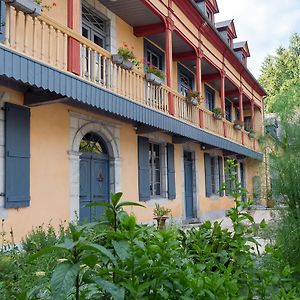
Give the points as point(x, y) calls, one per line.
point(193, 98)
point(218, 115)
point(238, 125)
point(154, 75)
point(125, 58)
point(252, 134)
point(154, 79)
point(123, 63)
point(26, 6)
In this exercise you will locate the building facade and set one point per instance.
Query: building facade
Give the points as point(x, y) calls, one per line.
point(77, 124)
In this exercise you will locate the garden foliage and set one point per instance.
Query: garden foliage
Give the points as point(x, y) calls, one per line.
point(120, 259)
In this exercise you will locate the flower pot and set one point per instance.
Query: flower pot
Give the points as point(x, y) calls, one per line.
point(117, 59)
point(161, 222)
point(237, 127)
point(152, 78)
point(127, 64)
point(192, 100)
point(26, 6)
point(251, 135)
point(217, 116)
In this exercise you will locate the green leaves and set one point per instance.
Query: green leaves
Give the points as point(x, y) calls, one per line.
point(116, 292)
point(63, 279)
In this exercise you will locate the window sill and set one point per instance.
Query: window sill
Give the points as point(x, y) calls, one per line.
point(160, 200)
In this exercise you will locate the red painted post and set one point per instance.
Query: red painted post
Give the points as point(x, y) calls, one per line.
point(199, 83)
point(169, 62)
point(241, 112)
point(73, 45)
point(253, 119)
point(223, 75)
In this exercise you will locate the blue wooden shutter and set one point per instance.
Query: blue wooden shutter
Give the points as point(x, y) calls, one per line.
point(2, 21)
point(144, 178)
point(221, 176)
point(207, 163)
point(171, 172)
point(17, 156)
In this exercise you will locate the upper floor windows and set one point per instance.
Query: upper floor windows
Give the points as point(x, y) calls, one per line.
point(209, 14)
point(154, 56)
point(185, 80)
point(228, 110)
point(94, 27)
point(209, 98)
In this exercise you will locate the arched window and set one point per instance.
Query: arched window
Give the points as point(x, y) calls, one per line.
point(92, 143)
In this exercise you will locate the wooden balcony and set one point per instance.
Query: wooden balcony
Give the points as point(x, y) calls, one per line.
point(47, 41)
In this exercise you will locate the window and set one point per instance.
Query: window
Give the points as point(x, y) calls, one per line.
point(92, 143)
point(247, 123)
point(209, 14)
point(155, 169)
point(237, 113)
point(93, 28)
point(213, 175)
point(229, 183)
point(185, 80)
point(209, 98)
point(228, 110)
point(153, 56)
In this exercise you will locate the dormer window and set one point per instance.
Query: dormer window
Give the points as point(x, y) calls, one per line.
point(242, 51)
point(209, 14)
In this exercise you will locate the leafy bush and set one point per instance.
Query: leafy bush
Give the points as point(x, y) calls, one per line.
point(121, 259)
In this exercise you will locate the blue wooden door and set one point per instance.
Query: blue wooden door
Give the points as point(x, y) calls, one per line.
point(188, 183)
point(94, 185)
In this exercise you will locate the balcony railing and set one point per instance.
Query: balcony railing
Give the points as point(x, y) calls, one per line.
point(47, 41)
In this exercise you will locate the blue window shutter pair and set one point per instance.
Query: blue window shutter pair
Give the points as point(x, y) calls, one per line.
point(208, 182)
point(2, 21)
point(143, 165)
point(171, 172)
point(17, 156)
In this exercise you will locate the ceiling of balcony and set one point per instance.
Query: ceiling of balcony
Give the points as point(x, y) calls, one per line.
point(134, 12)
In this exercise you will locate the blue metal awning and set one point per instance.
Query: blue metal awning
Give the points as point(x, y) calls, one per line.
point(30, 71)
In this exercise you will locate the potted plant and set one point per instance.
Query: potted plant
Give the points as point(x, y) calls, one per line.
point(30, 7)
point(154, 75)
point(125, 58)
point(161, 214)
point(218, 113)
point(252, 134)
point(193, 98)
point(238, 124)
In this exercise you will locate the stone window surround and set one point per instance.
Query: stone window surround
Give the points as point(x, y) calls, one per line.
point(80, 125)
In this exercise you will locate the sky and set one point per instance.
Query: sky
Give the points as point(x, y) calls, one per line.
point(265, 24)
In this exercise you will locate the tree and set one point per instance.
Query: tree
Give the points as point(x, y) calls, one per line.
point(280, 76)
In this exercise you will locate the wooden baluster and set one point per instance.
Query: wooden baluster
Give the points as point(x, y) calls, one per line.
point(65, 53)
point(100, 68)
point(104, 71)
point(94, 64)
point(16, 29)
point(57, 46)
point(42, 40)
point(50, 44)
point(33, 36)
point(89, 64)
point(25, 33)
point(7, 40)
point(108, 84)
point(83, 61)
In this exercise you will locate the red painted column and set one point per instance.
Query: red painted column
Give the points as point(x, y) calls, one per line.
point(199, 82)
point(73, 22)
point(241, 112)
point(169, 62)
point(253, 119)
point(223, 75)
